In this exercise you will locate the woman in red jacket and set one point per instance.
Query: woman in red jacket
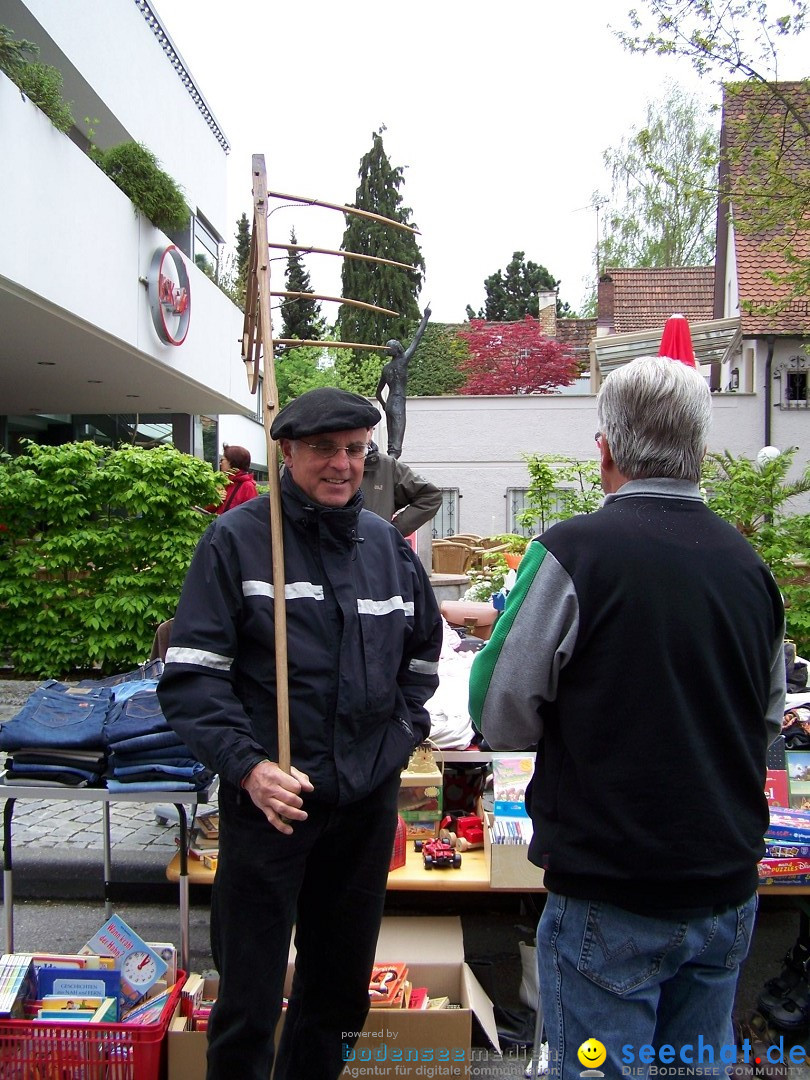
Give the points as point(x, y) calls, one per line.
point(241, 486)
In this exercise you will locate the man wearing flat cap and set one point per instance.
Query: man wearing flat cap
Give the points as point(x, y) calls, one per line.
point(309, 849)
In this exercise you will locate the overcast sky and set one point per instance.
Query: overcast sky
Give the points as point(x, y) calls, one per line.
point(499, 113)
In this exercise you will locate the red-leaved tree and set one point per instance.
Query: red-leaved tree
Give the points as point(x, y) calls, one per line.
point(514, 358)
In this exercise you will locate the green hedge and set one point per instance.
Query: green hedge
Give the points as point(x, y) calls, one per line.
point(94, 547)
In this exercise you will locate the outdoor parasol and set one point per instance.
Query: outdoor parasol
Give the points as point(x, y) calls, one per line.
point(676, 341)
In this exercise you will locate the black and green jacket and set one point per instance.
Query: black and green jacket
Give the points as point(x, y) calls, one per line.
point(640, 652)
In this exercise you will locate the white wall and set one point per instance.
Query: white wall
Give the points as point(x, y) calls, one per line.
point(475, 443)
point(72, 238)
point(113, 49)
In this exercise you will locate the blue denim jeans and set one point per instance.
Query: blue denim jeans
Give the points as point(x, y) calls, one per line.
point(632, 980)
point(57, 716)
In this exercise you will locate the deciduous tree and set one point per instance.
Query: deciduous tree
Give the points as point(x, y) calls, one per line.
point(374, 283)
point(663, 205)
point(741, 42)
point(514, 358)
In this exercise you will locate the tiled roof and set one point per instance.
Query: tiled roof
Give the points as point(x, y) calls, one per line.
point(577, 335)
point(752, 118)
point(644, 298)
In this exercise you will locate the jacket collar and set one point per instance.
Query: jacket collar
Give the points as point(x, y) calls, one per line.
point(306, 512)
point(657, 487)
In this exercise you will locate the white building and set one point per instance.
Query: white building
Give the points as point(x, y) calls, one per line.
point(86, 346)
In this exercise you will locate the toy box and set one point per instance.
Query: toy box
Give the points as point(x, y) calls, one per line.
point(420, 803)
point(395, 1042)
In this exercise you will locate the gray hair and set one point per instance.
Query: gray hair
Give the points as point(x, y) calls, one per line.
point(655, 414)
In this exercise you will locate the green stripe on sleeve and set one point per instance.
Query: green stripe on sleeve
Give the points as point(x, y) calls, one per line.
point(485, 661)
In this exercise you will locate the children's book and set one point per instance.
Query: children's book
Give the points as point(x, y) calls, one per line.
point(140, 965)
point(70, 983)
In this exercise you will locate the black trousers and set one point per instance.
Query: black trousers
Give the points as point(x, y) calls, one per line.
point(328, 880)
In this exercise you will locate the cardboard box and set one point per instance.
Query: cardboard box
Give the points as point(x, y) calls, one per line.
point(395, 1042)
point(509, 866)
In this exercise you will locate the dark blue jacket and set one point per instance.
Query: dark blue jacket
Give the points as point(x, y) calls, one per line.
point(364, 636)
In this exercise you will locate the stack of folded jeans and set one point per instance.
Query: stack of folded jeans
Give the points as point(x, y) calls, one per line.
point(57, 736)
point(144, 753)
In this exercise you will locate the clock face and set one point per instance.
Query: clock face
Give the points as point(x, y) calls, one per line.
point(139, 968)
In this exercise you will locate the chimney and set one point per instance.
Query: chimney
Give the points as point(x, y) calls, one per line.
point(605, 314)
point(547, 312)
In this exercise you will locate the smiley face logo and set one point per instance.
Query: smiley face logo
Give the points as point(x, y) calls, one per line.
point(592, 1054)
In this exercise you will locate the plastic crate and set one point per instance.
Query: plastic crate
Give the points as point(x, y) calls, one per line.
point(44, 1050)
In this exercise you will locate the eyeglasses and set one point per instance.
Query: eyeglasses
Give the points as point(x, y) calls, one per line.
point(328, 450)
point(598, 436)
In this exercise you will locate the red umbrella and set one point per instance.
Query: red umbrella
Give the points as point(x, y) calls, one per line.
point(676, 341)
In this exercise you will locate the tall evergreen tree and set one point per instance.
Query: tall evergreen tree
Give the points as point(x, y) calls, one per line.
point(385, 286)
point(242, 237)
point(300, 318)
point(513, 295)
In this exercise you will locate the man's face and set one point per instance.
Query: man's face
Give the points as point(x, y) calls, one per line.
point(331, 481)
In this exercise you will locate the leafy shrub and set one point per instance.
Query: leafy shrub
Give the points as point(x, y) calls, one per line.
point(94, 547)
point(41, 83)
point(152, 191)
point(754, 498)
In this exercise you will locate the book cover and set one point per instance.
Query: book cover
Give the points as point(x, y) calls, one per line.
point(65, 960)
point(70, 983)
point(70, 1016)
point(785, 849)
point(779, 868)
point(167, 951)
point(386, 979)
point(107, 1012)
point(149, 1011)
point(510, 778)
point(17, 983)
point(789, 823)
point(140, 966)
point(776, 787)
point(191, 995)
point(60, 1001)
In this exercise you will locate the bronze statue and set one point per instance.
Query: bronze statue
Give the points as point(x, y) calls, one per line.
point(394, 375)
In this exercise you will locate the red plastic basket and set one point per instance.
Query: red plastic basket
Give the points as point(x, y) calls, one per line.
point(43, 1050)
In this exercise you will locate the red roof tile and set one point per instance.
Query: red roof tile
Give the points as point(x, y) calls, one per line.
point(644, 298)
point(753, 120)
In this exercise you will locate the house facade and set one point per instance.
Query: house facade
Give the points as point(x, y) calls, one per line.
point(112, 329)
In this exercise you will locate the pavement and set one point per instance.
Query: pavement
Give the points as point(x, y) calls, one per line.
point(59, 902)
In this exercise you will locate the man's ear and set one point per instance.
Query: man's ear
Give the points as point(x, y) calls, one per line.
point(605, 456)
point(286, 450)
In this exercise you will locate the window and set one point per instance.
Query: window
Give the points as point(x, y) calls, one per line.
point(792, 375)
point(206, 248)
point(555, 509)
point(445, 524)
point(796, 395)
point(259, 414)
point(515, 503)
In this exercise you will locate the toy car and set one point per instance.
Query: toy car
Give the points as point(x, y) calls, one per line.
point(437, 854)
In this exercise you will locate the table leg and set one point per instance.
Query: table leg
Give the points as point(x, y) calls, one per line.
point(184, 908)
point(8, 888)
point(538, 1039)
point(105, 818)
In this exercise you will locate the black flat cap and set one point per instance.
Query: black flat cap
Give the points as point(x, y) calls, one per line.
point(325, 409)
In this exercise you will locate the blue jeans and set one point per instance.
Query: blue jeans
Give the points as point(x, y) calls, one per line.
point(632, 980)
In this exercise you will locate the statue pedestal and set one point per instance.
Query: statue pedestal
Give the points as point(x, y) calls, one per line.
point(449, 586)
